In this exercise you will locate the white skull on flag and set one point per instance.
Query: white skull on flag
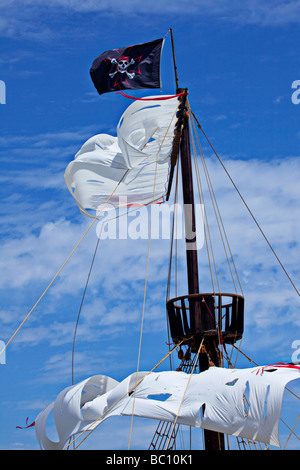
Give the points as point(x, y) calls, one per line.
point(122, 65)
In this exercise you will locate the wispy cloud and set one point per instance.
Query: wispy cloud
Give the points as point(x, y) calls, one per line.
point(111, 316)
point(32, 19)
point(31, 259)
point(278, 99)
point(46, 140)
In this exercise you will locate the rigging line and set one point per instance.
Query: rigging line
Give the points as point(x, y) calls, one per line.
point(125, 394)
point(201, 196)
point(218, 223)
point(238, 351)
point(217, 206)
point(226, 238)
point(247, 207)
point(292, 393)
point(251, 360)
point(247, 357)
point(218, 214)
point(292, 432)
point(170, 258)
point(147, 266)
point(142, 322)
point(89, 274)
point(229, 357)
point(176, 236)
point(81, 304)
point(188, 382)
point(205, 219)
point(237, 354)
point(64, 264)
point(198, 173)
point(172, 239)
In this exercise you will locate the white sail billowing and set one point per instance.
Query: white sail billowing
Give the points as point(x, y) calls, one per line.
point(138, 158)
point(176, 395)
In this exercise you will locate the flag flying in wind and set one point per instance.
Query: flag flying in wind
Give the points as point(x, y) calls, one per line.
point(130, 67)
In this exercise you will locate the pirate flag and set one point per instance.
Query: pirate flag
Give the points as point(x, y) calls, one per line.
point(128, 68)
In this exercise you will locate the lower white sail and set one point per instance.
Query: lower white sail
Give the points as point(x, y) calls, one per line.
point(213, 399)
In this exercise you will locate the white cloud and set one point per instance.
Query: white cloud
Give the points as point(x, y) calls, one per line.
point(278, 99)
point(30, 19)
point(39, 235)
point(115, 293)
point(250, 11)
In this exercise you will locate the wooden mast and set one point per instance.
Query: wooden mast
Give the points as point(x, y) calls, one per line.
point(189, 213)
point(213, 440)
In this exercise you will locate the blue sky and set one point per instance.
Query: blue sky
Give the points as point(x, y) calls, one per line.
point(239, 60)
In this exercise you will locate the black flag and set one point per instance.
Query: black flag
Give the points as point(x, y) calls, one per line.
point(130, 67)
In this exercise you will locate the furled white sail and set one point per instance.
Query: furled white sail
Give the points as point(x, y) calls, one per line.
point(138, 159)
point(167, 395)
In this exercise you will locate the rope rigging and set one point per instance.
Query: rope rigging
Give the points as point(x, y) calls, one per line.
point(210, 252)
point(247, 207)
point(64, 264)
point(173, 251)
point(90, 428)
point(147, 267)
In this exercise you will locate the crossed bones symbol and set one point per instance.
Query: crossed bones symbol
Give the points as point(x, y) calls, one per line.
point(122, 65)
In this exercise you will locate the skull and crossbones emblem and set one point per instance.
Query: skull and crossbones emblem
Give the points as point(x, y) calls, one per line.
point(122, 65)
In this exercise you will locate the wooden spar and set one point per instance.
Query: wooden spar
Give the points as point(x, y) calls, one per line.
point(189, 215)
point(213, 440)
point(177, 136)
point(174, 58)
